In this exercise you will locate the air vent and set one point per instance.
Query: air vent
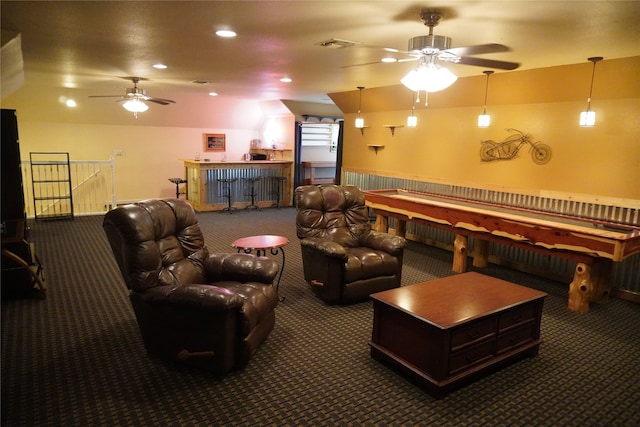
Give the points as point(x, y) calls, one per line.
point(337, 43)
point(200, 82)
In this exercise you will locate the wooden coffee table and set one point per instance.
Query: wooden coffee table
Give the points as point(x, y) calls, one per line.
point(447, 332)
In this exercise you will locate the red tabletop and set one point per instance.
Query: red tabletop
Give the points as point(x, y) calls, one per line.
point(261, 242)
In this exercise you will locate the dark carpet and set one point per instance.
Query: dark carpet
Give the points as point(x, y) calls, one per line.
point(76, 358)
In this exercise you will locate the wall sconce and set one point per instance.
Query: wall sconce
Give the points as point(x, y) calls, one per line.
point(135, 106)
point(360, 120)
point(588, 117)
point(484, 119)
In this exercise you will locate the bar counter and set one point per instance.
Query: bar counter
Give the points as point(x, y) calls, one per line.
point(207, 189)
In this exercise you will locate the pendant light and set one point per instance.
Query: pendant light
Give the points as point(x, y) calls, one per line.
point(484, 119)
point(359, 119)
point(412, 120)
point(588, 117)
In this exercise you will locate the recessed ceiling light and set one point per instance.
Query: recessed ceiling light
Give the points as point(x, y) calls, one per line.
point(213, 94)
point(226, 33)
point(389, 59)
point(160, 66)
point(286, 80)
point(71, 103)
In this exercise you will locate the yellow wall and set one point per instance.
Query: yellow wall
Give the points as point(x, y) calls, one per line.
point(546, 103)
point(599, 161)
point(150, 154)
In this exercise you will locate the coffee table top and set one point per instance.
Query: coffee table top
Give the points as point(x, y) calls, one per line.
point(456, 299)
point(264, 241)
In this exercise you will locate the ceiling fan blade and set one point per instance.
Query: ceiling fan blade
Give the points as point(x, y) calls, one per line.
point(413, 58)
point(160, 101)
point(488, 63)
point(361, 64)
point(478, 49)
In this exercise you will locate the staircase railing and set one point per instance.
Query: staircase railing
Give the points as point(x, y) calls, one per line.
point(92, 184)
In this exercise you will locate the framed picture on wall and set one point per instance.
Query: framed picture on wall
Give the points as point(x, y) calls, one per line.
point(214, 142)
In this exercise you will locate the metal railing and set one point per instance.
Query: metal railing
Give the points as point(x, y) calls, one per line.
point(92, 185)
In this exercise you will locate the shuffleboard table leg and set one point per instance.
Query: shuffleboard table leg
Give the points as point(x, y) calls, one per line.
point(460, 245)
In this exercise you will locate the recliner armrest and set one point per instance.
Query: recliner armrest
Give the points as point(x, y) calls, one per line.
point(393, 245)
point(325, 247)
point(240, 267)
point(196, 296)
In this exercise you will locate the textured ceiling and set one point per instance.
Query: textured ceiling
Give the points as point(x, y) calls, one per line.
point(92, 46)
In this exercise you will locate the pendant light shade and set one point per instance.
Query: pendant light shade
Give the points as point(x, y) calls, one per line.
point(429, 77)
point(412, 120)
point(588, 117)
point(484, 119)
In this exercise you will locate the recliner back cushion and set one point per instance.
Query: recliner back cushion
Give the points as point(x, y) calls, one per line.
point(333, 212)
point(156, 242)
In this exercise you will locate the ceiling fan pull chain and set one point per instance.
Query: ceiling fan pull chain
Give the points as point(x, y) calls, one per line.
point(426, 97)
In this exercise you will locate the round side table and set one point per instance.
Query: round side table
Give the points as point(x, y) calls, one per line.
point(262, 243)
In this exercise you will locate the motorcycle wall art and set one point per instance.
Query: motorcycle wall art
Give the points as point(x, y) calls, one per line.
point(508, 148)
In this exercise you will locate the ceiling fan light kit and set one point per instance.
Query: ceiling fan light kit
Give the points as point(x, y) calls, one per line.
point(588, 117)
point(135, 106)
point(429, 77)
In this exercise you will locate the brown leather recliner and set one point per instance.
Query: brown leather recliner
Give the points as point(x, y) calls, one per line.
point(205, 309)
point(344, 260)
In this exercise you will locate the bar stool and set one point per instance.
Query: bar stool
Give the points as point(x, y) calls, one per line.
point(278, 190)
point(177, 182)
point(252, 191)
point(226, 192)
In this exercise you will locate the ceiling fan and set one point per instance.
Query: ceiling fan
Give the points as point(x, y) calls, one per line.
point(429, 76)
point(439, 47)
point(134, 97)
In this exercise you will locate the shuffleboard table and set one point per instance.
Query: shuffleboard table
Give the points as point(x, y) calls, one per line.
point(594, 245)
